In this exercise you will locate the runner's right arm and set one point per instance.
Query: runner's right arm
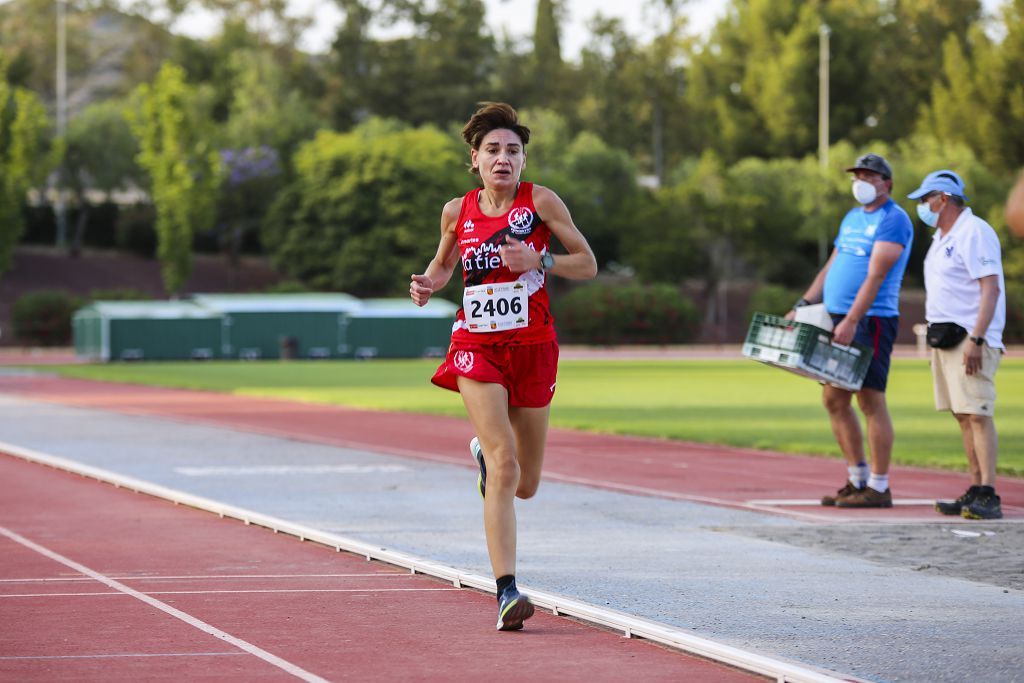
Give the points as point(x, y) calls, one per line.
point(439, 270)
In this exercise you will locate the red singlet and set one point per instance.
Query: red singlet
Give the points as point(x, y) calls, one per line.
point(479, 238)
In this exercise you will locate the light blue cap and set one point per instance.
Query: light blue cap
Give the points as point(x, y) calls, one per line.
point(940, 181)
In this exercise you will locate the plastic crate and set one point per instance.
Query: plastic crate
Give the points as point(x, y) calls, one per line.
point(807, 351)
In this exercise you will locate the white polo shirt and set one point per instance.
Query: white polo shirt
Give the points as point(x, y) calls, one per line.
point(952, 268)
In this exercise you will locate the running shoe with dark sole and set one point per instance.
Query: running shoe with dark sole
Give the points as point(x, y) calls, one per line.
point(478, 455)
point(841, 493)
point(513, 609)
point(985, 506)
point(957, 506)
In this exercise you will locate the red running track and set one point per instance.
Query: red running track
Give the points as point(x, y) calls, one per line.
point(292, 608)
point(715, 475)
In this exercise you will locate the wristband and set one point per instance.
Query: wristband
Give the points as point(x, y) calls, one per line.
point(800, 303)
point(978, 341)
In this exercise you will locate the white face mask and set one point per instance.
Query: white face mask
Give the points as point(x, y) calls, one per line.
point(864, 192)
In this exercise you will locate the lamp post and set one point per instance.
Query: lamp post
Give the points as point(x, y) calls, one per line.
point(62, 118)
point(823, 56)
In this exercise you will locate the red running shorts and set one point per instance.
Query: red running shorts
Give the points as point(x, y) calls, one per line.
point(527, 372)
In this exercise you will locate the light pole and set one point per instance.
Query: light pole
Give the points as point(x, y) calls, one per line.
point(823, 49)
point(62, 118)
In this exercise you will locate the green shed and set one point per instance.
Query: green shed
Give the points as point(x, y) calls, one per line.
point(146, 330)
point(282, 325)
point(398, 328)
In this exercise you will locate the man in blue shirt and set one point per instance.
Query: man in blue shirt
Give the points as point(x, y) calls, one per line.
point(860, 286)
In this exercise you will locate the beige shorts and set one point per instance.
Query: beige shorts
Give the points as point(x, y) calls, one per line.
point(959, 392)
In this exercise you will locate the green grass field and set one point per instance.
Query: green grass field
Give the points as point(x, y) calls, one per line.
point(739, 403)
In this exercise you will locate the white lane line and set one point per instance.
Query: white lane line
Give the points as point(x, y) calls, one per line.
point(267, 590)
point(273, 660)
point(276, 470)
point(130, 654)
point(187, 577)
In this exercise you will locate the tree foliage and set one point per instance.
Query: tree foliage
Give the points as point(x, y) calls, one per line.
point(184, 171)
point(979, 97)
point(681, 156)
point(363, 210)
point(23, 162)
point(436, 75)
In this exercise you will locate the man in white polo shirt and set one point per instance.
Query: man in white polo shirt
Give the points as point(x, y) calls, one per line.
point(966, 313)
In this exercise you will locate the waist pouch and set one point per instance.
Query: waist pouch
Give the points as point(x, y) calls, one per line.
point(945, 335)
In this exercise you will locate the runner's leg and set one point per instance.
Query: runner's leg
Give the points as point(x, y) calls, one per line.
point(487, 406)
point(531, 429)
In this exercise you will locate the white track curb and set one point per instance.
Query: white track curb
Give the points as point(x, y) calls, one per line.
point(631, 627)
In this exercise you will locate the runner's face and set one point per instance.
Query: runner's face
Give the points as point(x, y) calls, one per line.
point(500, 159)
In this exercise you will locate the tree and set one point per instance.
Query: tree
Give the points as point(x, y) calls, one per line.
point(23, 164)
point(99, 154)
point(753, 84)
point(184, 171)
point(267, 120)
point(598, 184)
point(436, 75)
point(363, 210)
point(978, 98)
point(547, 76)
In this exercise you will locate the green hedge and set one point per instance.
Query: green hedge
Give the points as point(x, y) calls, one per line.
point(606, 313)
point(773, 299)
point(44, 318)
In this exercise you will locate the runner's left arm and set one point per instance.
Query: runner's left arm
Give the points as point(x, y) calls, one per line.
point(579, 263)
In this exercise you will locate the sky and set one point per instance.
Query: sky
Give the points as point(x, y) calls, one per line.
point(514, 16)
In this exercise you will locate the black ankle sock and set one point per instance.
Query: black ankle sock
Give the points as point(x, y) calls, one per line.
point(989, 490)
point(504, 582)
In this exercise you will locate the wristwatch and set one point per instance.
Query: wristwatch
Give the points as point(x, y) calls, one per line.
point(800, 303)
point(547, 262)
point(978, 341)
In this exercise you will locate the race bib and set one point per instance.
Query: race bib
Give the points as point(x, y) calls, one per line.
point(496, 307)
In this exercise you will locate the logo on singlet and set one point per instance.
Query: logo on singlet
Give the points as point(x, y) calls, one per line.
point(463, 360)
point(520, 221)
point(468, 226)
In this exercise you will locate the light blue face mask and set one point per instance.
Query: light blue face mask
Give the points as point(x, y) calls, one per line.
point(927, 216)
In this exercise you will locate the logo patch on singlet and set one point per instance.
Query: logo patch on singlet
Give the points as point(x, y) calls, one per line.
point(463, 360)
point(520, 221)
point(468, 226)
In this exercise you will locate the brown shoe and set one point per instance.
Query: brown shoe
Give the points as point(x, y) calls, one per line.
point(841, 493)
point(866, 497)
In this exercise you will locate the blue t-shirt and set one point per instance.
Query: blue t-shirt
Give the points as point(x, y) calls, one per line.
point(857, 236)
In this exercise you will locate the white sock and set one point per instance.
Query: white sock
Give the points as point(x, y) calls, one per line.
point(858, 474)
point(879, 482)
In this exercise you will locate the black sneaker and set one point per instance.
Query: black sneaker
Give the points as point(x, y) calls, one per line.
point(513, 609)
point(478, 455)
point(957, 506)
point(847, 490)
point(985, 506)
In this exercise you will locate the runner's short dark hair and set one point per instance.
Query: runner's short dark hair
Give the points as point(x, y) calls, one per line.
point(492, 116)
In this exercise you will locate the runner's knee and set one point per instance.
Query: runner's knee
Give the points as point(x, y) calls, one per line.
point(503, 473)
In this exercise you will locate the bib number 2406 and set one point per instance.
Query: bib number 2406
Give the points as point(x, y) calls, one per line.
point(496, 307)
